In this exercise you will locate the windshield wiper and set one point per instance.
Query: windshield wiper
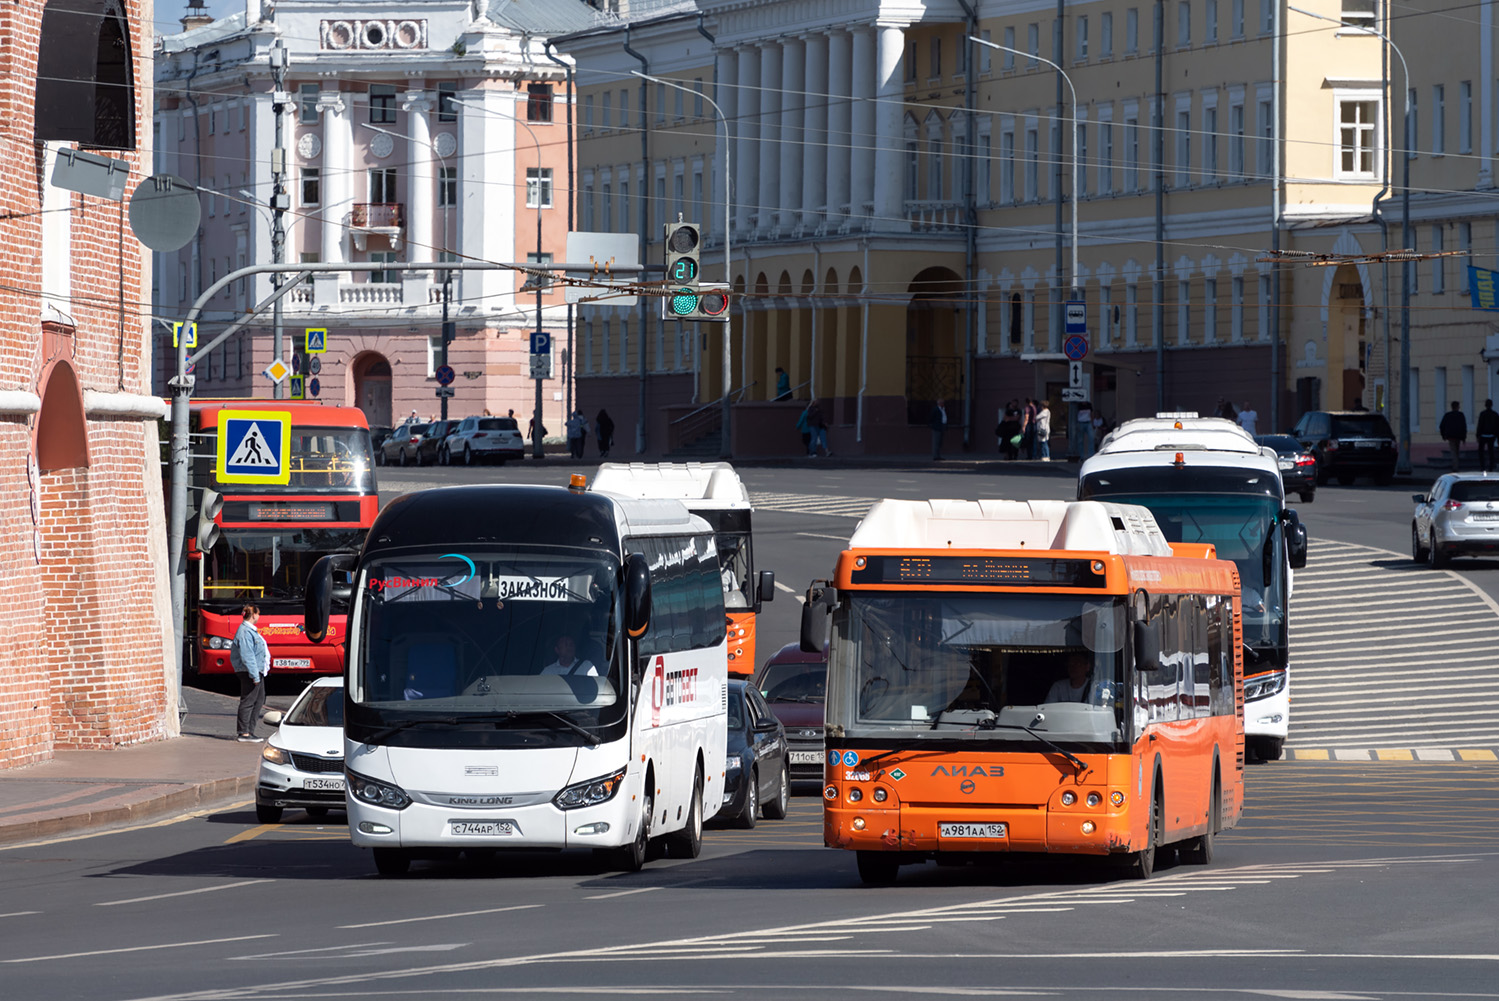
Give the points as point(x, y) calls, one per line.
point(795, 698)
point(1077, 762)
point(586, 734)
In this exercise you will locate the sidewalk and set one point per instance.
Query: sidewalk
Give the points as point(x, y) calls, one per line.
point(79, 791)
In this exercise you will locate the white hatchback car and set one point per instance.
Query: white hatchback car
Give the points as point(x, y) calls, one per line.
point(1460, 516)
point(302, 764)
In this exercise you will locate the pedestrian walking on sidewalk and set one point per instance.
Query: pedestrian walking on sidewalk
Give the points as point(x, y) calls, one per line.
point(577, 434)
point(1488, 436)
point(817, 429)
point(251, 660)
point(938, 423)
point(1043, 431)
point(603, 427)
point(1454, 431)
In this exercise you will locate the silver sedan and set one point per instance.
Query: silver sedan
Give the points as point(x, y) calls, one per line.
point(1460, 516)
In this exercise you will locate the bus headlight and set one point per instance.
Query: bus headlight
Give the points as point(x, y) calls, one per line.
point(1069, 797)
point(590, 793)
point(1094, 799)
point(216, 643)
point(855, 794)
point(880, 795)
point(1264, 686)
point(384, 794)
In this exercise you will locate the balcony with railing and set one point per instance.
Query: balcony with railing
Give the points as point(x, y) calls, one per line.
point(377, 218)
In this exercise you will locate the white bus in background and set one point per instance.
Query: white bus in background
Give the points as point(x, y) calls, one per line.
point(530, 667)
point(714, 492)
point(1206, 480)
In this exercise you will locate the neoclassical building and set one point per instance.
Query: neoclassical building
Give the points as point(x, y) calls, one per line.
point(902, 201)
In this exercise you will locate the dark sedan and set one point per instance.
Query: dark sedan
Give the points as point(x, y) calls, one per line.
point(432, 448)
point(757, 780)
point(794, 684)
point(1298, 467)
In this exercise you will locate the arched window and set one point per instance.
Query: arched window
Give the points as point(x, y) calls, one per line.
point(85, 86)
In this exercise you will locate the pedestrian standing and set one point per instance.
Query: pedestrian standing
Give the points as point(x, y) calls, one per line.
point(1043, 432)
point(577, 433)
point(1488, 436)
point(938, 423)
point(1085, 429)
point(817, 429)
point(1008, 430)
point(1454, 431)
point(603, 426)
point(1249, 419)
point(1028, 428)
point(251, 660)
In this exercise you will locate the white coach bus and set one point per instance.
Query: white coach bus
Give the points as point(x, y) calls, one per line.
point(530, 667)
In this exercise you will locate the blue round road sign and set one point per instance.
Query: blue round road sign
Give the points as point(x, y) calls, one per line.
point(1075, 347)
point(445, 375)
point(313, 386)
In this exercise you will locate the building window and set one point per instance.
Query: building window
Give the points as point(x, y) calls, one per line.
point(538, 187)
point(934, 169)
point(1183, 311)
point(1236, 315)
point(912, 171)
point(608, 120)
point(1131, 314)
point(1209, 310)
point(447, 111)
point(935, 70)
point(1465, 117)
point(588, 207)
point(540, 260)
point(588, 113)
point(1358, 138)
point(1438, 263)
point(624, 205)
point(1105, 158)
point(1236, 15)
point(960, 57)
point(1267, 16)
point(1032, 163)
point(1132, 31)
point(382, 104)
point(1033, 42)
point(1184, 24)
point(1210, 144)
point(986, 54)
point(447, 187)
point(1131, 154)
point(1058, 157)
point(1106, 34)
point(383, 257)
point(307, 95)
point(984, 182)
point(1183, 147)
point(434, 352)
point(312, 186)
point(1006, 168)
point(1210, 21)
point(1360, 13)
point(911, 63)
point(1267, 140)
point(1008, 63)
point(1082, 37)
point(677, 97)
point(1438, 120)
point(538, 102)
point(382, 185)
point(1236, 163)
point(697, 97)
point(660, 104)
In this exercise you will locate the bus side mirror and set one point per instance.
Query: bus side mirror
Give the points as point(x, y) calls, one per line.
point(1147, 648)
point(1295, 539)
point(637, 596)
point(814, 633)
point(317, 599)
point(765, 589)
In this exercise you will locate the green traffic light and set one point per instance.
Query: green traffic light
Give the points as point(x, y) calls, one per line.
point(683, 303)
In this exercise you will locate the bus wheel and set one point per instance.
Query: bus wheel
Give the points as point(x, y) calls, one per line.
point(751, 812)
point(688, 842)
point(631, 858)
point(878, 868)
point(1199, 851)
point(1145, 857)
point(392, 861)
point(1267, 748)
point(776, 809)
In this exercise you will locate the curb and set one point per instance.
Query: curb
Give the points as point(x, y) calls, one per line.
point(187, 799)
point(1427, 754)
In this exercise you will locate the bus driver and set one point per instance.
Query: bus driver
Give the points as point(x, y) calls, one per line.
point(567, 661)
point(1075, 687)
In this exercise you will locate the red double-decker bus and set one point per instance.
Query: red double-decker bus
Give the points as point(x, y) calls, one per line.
point(255, 543)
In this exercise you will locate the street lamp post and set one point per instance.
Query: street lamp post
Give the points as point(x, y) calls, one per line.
point(724, 450)
point(447, 274)
point(1072, 434)
point(537, 450)
point(1403, 464)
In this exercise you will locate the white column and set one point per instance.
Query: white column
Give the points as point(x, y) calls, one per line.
point(815, 133)
point(747, 139)
point(840, 48)
point(338, 141)
point(793, 109)
point(769, 197)
point(421, 191)
point(861, 131)
point(889, 157)
point(726, 96)
point(1485, 94)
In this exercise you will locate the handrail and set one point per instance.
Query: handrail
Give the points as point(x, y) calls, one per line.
point(791, 393)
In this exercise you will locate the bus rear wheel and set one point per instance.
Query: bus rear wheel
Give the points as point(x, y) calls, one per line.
point(878, 868)
point(688, 842)
point(392, 861)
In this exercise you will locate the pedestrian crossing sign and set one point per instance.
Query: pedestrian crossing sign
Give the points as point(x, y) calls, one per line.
point(298, 390)
point(317, 340)
point(192, 333)
point(254, 446)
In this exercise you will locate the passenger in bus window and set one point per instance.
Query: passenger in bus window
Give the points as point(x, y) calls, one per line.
point(567, 661)
point(1075, 687)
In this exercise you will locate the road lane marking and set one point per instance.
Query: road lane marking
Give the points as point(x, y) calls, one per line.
point(254, 833)
point(792, 590)
point(137, 948)
point(19, 914)
point(819, 535)
point(440, 917)
point(622, 893)
point(180, 893)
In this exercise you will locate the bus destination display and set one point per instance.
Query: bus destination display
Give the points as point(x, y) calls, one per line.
point(978, 571)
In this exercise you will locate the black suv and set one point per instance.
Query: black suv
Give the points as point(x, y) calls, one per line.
point(1348, 444)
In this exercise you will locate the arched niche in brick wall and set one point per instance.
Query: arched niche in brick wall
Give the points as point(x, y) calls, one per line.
point(85, 78)
point(61, 429)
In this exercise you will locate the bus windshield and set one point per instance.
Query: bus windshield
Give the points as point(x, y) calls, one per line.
point(323, 460)
point(1242, 527)
point(268, 567)
point(932, 665)
point(508, 635)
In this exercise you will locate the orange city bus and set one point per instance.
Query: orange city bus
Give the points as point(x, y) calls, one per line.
point(269, 536)
point(1044, 676)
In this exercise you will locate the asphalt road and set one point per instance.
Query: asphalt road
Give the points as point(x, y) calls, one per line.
point(1345, 879)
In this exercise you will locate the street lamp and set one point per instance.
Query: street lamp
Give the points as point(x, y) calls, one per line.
point(728, 275)
point(1072, 406)
point(447, 274)
point(537, 451)
point(1403, 464)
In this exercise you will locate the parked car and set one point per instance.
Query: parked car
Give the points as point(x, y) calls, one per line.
point(757, 778)
point(302, 763)
point(431, 448)
point(378, 434)
point(480, 438)
point(400, 448)
point(794, 684)
point(1348, 444)
point(1458, 517)
point(1298, 467)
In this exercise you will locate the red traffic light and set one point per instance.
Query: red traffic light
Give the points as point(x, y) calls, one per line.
point(713, 303)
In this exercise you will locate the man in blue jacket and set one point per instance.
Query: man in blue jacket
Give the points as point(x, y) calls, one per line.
point(251, 660)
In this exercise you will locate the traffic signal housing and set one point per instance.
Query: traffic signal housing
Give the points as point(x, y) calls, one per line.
point(709, 303)
point(683, 243)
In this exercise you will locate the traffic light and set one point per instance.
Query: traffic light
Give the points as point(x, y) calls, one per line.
point(710, 304)
point(209, 506)
point(683, 241)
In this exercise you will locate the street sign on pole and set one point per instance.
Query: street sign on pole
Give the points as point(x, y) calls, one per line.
point(445, 375)
point(1075, 347)
point(541, 366)
point(297, 390)
point(254, 446)
point(317, 340)
point(192, 334)
point(1074, 375)
point(1070, 395)
point(277, 370)
point(313, 386)
point(541, 342)
point(1077, 317)
point(445, 391)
